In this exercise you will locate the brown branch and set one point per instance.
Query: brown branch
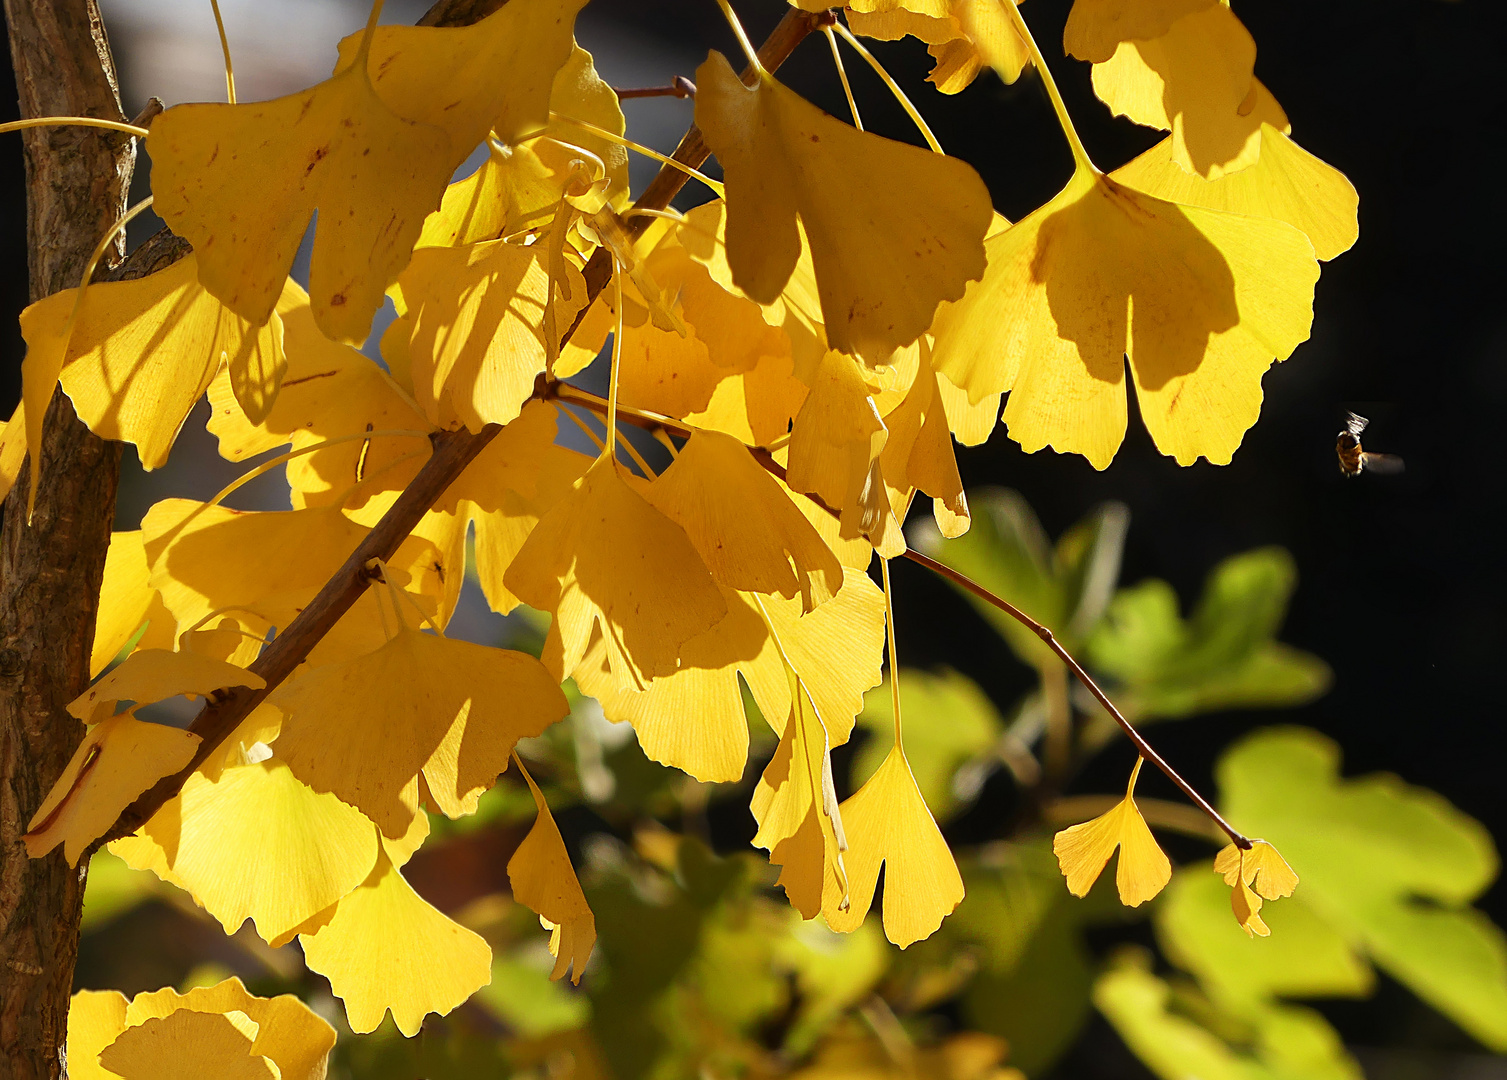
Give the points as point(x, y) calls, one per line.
point(453, 451)
point(678, 87)
point(50, 571)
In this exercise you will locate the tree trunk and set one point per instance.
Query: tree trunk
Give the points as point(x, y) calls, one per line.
point(50, 571)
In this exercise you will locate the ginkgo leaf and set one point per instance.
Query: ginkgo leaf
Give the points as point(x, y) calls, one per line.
point(834, 453)
point(364, 729)
point(330, 391)
point(887, 821)
point(1084, 850)
point(1287, 183)
point(149, 675)
point(289, 1033)
point(142, 353)
point(918, 454)
point(1095, 28)
point(255, 843)
point(1200, 300)
point(385, 948)
point(240, 183)
point(95, 1019)
point(119, 758)
point(605, 556)
point(1262, 868)
point(543, 880)
point(519, 186)
point(747, 531)
point(755, 407)
point(12, 448)
point(495, 74)
point(963, 36)
point(476, 321)
point(1196, 81)
point(885, 251)
point(126, 601)
point(185, 1045)
point(971, 422)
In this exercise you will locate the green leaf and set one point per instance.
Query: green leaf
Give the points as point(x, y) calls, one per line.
point(1306, 956)
point(1391, 867)
point(1007, 551)
point(1221, 657)
point(1179, 1034)
point(522, 995)
point(832, 972)
point(948, 720)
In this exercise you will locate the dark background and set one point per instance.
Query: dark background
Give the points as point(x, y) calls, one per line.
point(1401, 586)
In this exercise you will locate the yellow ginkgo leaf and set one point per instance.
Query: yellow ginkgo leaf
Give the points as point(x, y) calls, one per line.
point(886, 251)
point(12, 448)
point(918, 454)
point(330, 391)
point(119, 758)
point(126, 601)
point(95, 1019)
point(518, 187)
point(188, 1044)
point(476, 321)
point(663, 371)
point(255, 843)
point(142, 353)
point(1195, 80)
point(363, 729)
point(543, 880)
point(887, 821)
point(963, 36)
point(149, 675)
point(385, 948)
point(1287, 183)
point(1084, 850)
point(745, 527)
point(736, 333)
point(289, 1033)
point(754, 407)
point(795, 805)
point(1095, 28)
point(604, 555)
point(834, 453)
point(971, 422)
point(496, 74)
point(1255, 875)
point(1200, 300)
point(240, 183)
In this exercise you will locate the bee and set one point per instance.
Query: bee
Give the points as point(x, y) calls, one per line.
point(1354, 460)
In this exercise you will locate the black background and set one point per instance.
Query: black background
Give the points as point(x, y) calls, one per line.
point(1401, 578)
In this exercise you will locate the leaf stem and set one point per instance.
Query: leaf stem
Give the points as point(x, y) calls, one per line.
point(613, 137)
point(889, 624)
point(617, 361)
point(282, 459)
point(80, 121)
point(1080, 155)
point(225, 48)
point(842, 75)
point(900, 96)
point(748, 49)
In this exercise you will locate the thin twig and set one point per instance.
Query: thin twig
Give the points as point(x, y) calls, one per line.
point(678, 87)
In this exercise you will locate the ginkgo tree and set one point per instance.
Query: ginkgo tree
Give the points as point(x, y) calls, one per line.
point(807, 346)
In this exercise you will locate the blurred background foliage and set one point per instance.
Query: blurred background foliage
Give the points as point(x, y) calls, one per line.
point(703, 969)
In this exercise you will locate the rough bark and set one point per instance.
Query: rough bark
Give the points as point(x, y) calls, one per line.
point(50, 571)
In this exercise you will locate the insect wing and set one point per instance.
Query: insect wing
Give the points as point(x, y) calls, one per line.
point(1381, 464)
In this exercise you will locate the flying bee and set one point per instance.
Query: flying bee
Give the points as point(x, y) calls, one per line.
point(1354, 460)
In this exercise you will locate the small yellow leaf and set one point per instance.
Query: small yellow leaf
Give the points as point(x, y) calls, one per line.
point(288, 1033)
point(1254, 875)
point(119, 758)
point(384, 947)
point(240, 183)
point(603, 555)
point(149, 675)
point(746, 529)
point(475, 316)
point(126, 600)
point(496, 73)
point(887, 821)
point(544, 881)
point(363, 729)
point(886, 249)
point(963, 36)
point(1095, 28)
point(187, 1045)
point(918, 454)
point(1287, 183)
point(1084, 850)
point(95, 1018)
point(1200, 300)
point(1195, 80)
point(834, 453)
point(255, 843)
